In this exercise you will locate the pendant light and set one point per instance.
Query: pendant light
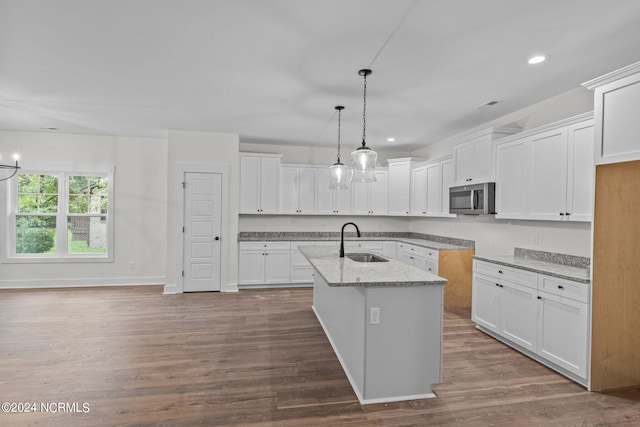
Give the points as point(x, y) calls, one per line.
point(12, 169)
point(363, 159)
point(339, 173)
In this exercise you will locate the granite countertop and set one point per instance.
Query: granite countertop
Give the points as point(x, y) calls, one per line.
point(338, 271)
point(428, 241)
point(557, 265)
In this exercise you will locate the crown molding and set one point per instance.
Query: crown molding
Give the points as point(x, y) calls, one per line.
point(613, 76)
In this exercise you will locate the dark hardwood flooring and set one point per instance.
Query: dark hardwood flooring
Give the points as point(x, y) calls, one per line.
point(253, 358)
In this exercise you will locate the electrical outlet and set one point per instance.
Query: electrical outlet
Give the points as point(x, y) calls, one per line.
point(374, 315)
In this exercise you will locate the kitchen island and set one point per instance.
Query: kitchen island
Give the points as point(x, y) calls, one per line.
point(383, 320)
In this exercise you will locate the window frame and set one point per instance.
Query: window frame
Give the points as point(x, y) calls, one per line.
point(61, 255)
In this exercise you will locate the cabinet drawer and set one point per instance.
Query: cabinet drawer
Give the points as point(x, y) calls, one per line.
point(524, 277)
point(565, 288)
point(418, 251)
point(255, 246)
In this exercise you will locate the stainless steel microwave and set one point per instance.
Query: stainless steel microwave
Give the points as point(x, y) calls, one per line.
point(473, 199)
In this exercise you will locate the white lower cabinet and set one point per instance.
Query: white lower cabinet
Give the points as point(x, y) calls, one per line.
point(264, 263)
point(543, 316)
point(418, 256)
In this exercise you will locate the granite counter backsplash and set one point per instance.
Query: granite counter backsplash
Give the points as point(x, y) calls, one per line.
point(416, 238)
point(564, 266)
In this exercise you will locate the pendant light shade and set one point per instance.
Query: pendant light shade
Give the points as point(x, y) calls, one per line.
point(363, 159)
point(339, 174)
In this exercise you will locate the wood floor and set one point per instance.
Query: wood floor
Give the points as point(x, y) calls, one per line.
point(253, 358)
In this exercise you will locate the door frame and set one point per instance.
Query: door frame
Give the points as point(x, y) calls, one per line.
point(181, 170)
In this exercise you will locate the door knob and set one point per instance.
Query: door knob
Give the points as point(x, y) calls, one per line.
point(217, 237)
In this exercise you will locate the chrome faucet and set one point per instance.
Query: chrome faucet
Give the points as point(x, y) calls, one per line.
point(342, 237)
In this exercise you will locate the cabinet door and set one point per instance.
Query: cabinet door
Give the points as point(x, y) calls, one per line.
point(482, 159)
point(547, 192)
point(563, 329)
point(434, 188)
point(251, 267)
point(511, 161)
point(580, 173)
point(307, 190)
point(419, 191)
point(324, 195)
point(249, 184)
point(447, 169)
point(289, 183)
point(399, 188)
point(518, 314)
point(485, 308)
point(378, 194)
point(462, 159)
point(277, 267)
point(342, 202)
point(360, 198)
point(269, 185)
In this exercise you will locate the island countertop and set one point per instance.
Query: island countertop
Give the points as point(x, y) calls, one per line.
point(338, 271)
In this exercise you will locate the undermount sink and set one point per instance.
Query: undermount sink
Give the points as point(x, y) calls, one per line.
point(366, 258)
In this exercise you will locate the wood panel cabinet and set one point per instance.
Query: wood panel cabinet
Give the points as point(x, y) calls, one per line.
point(259, 183)
point(545, 317)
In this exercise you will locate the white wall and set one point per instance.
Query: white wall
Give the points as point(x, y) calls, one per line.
point(139, 202)
point(208, 149)
point(321, 223)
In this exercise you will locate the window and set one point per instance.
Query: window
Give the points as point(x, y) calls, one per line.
point(61, 216)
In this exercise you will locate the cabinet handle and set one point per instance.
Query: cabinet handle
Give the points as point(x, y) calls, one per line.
point(498, 284)
point(539, 297)
point(567, 213)
point(560, 287)
point(500, 272)
point(561, 213)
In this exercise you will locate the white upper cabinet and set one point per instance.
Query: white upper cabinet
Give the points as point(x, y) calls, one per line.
point(548, 169)
point(298, 187)
point(447, 173)
point(370, 198)
point(473, 156)
point(259, 183)
point(400, 185)
point(419, 191)
point(511, 179)
point(328, 201)
point(430, 188)
point(547, 173)
point(616, 105)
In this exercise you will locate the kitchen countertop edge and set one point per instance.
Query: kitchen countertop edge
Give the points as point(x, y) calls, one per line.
point(567, 272)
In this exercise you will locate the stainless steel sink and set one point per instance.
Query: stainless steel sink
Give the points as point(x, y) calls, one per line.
point(366, 258)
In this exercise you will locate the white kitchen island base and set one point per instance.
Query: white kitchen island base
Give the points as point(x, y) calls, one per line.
point(397, 359)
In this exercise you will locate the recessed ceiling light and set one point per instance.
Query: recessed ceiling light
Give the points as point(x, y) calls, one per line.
point(537, 59)
point(391, 139)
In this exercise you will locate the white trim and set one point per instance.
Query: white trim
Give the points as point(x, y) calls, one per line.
point(276, 286)
point(80, 283)
point(613, 76)
point(170, 290)
point(181, 170)
point(544, 128)
point(229, 287)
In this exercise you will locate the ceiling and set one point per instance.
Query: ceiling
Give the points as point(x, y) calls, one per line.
point(273, 70)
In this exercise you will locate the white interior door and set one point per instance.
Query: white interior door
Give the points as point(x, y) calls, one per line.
point(202, 219)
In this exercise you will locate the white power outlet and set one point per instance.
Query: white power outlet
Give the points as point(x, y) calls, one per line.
point(374, 316)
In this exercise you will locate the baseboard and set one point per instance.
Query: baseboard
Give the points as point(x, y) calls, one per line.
point(80, 283)
point(229, 287)
point(284, 285)
point(170, 290)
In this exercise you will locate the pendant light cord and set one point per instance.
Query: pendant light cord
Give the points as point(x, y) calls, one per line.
point(339, 113)
point(364, 112)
